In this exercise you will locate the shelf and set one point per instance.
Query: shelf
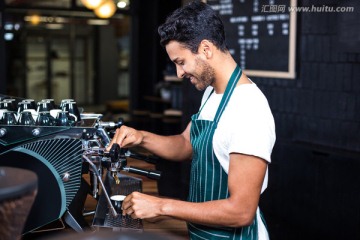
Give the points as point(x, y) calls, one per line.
point(172, 78)
point(173, 112)
point(156, 99)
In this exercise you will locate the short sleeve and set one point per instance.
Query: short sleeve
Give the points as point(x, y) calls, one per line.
point(246, 126)
point(253, 130)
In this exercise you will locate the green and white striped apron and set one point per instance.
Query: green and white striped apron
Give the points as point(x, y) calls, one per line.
point(208, 180)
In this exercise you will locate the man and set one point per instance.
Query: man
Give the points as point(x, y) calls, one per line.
point(229, 140)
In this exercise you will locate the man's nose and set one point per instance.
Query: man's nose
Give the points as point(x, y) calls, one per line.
point(180, 72)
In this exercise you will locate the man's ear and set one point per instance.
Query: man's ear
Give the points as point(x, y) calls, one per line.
point(206, 48)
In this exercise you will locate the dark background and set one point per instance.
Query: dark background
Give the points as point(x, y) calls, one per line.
point(314, 183)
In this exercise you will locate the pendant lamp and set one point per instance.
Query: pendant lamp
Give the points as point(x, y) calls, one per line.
point(106, 9)
point(92, 4)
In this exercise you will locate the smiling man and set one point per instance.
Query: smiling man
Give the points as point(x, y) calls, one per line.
point(229, 140)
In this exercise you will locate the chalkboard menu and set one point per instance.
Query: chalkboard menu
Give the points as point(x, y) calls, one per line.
point(260, 35)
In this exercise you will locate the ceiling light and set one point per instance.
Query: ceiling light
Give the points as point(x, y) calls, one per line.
point(35, 19)
point(106, 9)
point(92, 4)
point(8, 36)
point(8, 26)
point(121, 4)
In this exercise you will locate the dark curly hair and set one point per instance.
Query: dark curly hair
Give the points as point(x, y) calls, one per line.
point(191, 24)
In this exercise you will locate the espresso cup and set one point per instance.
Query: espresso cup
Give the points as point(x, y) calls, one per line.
point(52, 103)
point(44, 106)
point(32, 103)
point(55, 112)
point(9, 118)
point(3, 97)
point(33, 112)
point(8, 104)
point(23, 106)
point(62, 103)
point(117, 201)
point(62, 119)
point(72, 109)
point(26, 118)
point(45, 119)
point(2, 113)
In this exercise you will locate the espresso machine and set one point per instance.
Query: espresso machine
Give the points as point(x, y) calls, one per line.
point(60, 144)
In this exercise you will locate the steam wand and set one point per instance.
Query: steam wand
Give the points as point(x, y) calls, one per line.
point(112, 209)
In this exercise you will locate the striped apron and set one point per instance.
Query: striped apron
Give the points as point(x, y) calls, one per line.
point(208, 180)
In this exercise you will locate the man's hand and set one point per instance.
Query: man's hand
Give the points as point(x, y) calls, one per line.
point(142, 206)
point(126, 137)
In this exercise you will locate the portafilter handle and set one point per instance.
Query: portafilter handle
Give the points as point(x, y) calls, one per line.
point(118, 154)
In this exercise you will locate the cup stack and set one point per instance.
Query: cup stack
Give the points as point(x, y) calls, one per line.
point(43, 113)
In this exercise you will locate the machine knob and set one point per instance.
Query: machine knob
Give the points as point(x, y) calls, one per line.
point(2, 132)
point(85, 135)
point(66, 177)
point(120, 123)
point(36, 132)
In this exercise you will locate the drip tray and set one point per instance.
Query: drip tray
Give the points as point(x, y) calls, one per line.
point(103, 217)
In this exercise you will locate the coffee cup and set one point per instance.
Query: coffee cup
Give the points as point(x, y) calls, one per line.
point(9, 118)
point(117, 201)
point(26, 118)
point(45, 119)
point(33, 112)
point(55, 112)
point(44, 106)
point(63, 119)
point(32, 103)
point(2, 113)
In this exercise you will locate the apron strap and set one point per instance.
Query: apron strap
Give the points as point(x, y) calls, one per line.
point(206, 100)
point(235, 76)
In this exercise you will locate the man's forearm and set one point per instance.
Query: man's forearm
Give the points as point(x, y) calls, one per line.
point(175, 148)
point(213, 213)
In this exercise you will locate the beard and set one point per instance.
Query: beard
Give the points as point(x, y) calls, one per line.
point(206, 76)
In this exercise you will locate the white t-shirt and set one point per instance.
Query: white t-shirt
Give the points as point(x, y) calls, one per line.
point(246, 125)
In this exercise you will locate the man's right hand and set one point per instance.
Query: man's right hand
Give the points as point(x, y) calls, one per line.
point(126, 137)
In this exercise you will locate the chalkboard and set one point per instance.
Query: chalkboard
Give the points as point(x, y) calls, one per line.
point(260, 35)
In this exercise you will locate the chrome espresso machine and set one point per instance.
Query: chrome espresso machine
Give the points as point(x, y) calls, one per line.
point(61, 144)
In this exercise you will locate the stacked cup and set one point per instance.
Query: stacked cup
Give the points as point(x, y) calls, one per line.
point(70, 106)
point(26, 112)
point(44, 117)
point(8, 115)
point(42, 113)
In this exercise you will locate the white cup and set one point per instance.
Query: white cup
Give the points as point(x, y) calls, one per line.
point(2, 113)
point(117, 200)
point(54, 112)
point(34, 113)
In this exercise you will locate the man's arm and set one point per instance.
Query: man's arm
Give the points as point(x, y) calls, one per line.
point(176, 147)
point(246, 175)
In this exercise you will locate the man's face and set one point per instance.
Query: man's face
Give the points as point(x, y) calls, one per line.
point(190, 65)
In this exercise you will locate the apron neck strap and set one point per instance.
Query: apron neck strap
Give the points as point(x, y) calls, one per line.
point(235, 76)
